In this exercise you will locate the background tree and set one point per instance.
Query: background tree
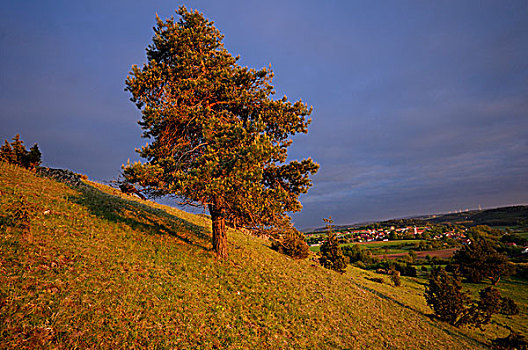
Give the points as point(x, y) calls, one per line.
point(16, 153)
point(445, 296)
point(480, 260)
point(217, 136)
point(331, 255)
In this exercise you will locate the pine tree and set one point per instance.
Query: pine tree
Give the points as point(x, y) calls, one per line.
point(7, 154)
point(216, 136)
point(445, 296)
point(16, 153)
point(34, 157)
point(332, 256)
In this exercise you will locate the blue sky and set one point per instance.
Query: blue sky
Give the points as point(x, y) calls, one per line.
point(419, 106)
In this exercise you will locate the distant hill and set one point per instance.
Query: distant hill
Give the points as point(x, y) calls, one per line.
point(503, 216)
point(88, 267)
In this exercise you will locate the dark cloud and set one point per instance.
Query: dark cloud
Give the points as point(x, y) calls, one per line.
point(418, 106)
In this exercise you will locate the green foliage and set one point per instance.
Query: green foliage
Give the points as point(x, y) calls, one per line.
point(480, 260)
point(16, 153)
point(395, 277)
point(356, 252)
point(485, 232)
point(514, 238)
point(445, 296)
point(331, 255)
point(291, 243)
point(404, 268)
point(217, 136)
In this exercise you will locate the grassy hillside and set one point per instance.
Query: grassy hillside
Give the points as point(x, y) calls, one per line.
point(96, 269)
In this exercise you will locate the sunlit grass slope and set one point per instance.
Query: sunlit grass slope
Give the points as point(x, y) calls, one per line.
point(101, 270)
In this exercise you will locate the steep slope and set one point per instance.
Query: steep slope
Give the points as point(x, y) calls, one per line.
point(96, 269)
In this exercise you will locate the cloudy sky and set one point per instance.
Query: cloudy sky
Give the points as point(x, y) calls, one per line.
point(419, 106)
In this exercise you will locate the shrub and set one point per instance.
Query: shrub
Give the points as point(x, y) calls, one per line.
point(291, 243)
point(17, 214)
point(395, 277)
point(331, 255)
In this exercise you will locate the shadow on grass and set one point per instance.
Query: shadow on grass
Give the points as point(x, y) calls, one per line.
point(139, 216)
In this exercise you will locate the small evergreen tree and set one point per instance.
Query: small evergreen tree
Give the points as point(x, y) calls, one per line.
point(445, 296)
point(34, 157)
point(7, 154)
point(331, 255)
point(16, 153)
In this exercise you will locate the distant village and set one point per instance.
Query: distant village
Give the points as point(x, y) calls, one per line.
point(391, 233)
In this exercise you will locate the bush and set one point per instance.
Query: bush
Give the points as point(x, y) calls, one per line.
point(395, 277)
point(331, 255)
point(292, 243)
point(17, 214)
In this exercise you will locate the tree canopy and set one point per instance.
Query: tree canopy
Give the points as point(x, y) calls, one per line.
point(216, 135)
point(481, 260)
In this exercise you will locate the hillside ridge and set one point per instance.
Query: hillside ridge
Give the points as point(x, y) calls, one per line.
point(99, 269)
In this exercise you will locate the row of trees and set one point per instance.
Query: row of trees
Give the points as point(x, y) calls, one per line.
point(16, 153)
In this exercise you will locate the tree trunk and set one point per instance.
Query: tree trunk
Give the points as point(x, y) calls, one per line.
point(219, 230)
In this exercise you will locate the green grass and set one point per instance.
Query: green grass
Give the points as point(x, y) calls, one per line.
point(97, 269)
point(378, 247)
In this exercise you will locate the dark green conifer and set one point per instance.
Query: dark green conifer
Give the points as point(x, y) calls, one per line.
point(216, 136)
point(332, 256)
point(16, 153)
